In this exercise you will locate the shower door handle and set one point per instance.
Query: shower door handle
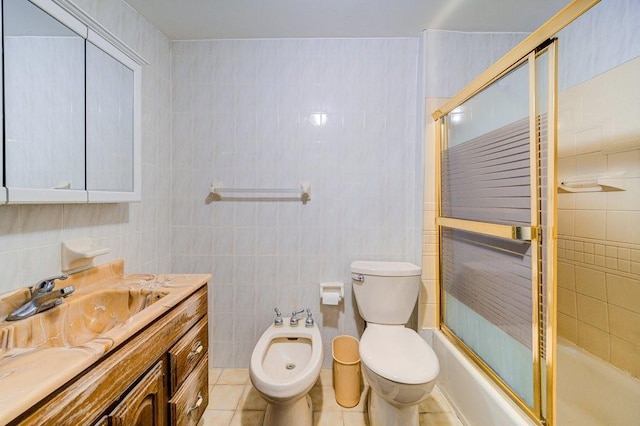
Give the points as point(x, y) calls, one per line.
point(509, 232)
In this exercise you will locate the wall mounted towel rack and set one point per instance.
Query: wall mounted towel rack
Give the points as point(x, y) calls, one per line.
point(302, 193)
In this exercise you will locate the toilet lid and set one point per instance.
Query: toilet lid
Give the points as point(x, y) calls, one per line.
point(398, 354)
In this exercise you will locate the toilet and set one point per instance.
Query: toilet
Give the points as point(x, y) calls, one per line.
point(285, 364)
point(399, 365)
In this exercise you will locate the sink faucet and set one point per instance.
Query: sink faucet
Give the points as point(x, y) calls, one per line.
point(43, 297)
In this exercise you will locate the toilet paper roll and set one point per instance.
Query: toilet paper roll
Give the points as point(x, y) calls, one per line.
point(330, 297)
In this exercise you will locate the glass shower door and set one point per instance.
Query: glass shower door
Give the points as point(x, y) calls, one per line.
point(492, 190)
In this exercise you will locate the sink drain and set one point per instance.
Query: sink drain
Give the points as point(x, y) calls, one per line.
point(291, 366)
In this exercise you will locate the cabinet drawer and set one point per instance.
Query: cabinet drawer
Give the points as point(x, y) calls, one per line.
point(187, 353)
point(188, 404)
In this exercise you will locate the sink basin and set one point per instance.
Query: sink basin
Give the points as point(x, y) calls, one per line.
point(80, 319)
point(108, 311)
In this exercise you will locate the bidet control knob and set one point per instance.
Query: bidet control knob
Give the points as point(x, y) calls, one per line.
point(293, 322)
point(309, 321)
point(278, 321)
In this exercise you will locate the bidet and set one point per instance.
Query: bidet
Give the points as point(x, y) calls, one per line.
point(285, 364)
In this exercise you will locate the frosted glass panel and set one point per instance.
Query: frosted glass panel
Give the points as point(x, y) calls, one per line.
point(486, 178)
point(485, 166)
point(502, 103)
point(487, 296)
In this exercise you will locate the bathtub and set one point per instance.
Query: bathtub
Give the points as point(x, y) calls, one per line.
point(591, 392)
point(475, 398)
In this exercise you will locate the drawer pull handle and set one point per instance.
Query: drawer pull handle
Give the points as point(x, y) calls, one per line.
point(196, 351)
point(198, 404)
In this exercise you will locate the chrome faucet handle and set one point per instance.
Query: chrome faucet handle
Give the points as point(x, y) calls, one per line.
point(46, 285)
point(309, 321)
point(41, 301)
point(278, 321)
point(293, 322)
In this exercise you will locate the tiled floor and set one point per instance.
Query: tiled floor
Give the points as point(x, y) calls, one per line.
point(234, 401)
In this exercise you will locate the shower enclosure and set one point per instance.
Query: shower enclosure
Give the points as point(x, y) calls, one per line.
point(539, 219)
point(494, 233)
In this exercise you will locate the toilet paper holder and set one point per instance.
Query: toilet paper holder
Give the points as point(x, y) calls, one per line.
point(331, 293)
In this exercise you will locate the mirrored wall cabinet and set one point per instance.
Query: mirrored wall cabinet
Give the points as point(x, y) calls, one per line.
point(71, 108)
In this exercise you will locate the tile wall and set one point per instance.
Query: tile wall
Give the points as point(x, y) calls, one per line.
point(605, 36)
point(599, 232)
point(454, 58)
point(30, 235)
point(339, 113)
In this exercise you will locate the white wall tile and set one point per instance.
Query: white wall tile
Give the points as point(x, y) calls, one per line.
point(266, 97)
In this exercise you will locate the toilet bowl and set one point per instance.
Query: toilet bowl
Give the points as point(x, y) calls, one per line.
point(401, 369)
point(399, 365)
point(285, 364)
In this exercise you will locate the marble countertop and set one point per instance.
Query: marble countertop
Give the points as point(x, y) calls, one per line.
point(37, 357)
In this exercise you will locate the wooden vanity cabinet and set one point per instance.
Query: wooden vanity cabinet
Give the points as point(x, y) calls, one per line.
point(158, 377)
point(144, 405)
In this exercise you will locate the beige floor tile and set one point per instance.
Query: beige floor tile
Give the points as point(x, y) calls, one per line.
point(324, 399)
point(234, 401)
point(216, 418)
point(328, 418)
point(362, 404)
point(247, 418)
point(435, 403)
point(326, 377)
point(439, 419)
point(252, 400)
point(225, 397)
point(353, 418)
point(214, 373)
point(233, 376)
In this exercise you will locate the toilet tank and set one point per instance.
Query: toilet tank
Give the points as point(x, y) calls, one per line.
point(386, 292)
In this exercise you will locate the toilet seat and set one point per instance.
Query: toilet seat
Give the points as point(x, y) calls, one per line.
point(398, 354)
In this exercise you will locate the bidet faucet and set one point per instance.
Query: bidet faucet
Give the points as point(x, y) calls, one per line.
point(293, 322)
point(309, 321)
point(43, 297)
point(278, 321)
